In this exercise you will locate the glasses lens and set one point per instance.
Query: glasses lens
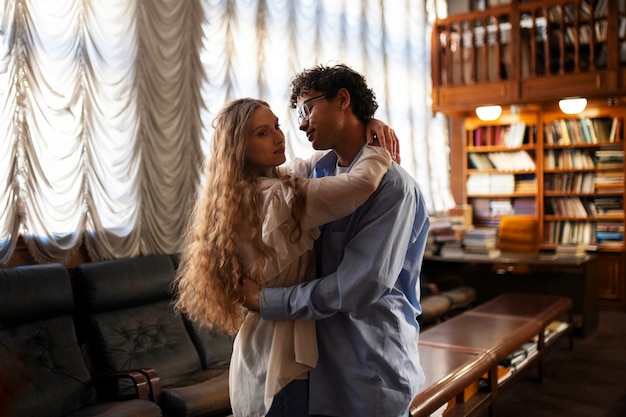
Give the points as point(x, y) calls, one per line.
point(304, 112)
point(301, 116)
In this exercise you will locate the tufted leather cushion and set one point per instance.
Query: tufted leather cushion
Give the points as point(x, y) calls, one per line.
point(130, 323)
point(40, 351)
point(130, 320)
point(151, 335)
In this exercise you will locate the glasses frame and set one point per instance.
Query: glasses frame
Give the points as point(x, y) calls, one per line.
point(304, 112)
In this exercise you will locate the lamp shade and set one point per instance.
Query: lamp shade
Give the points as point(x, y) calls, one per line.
point(488, 112)
point(573, 105)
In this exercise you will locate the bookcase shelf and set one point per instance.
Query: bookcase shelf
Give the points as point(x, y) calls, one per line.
point(526, 55)
point(577, 189)
point(584, 163)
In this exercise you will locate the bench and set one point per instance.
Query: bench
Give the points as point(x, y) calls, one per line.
point(458, 352)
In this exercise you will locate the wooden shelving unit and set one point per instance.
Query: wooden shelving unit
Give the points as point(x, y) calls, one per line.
point(501, 165)
point(526, 56)
point(529, 52)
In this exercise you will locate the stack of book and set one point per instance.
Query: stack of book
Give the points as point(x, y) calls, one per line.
point(452, 249)
point(609, 233)
point(481, 243)
point(444, 231)
point(480, 183)
point(571, 250)
point(501, 208)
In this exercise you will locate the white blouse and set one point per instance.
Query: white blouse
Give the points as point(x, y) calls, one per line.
point(268, 354)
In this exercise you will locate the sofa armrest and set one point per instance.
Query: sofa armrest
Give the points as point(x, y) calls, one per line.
point(107, 384)
point(154, 383)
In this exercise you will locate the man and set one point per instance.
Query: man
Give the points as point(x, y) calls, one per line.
point(366, 298)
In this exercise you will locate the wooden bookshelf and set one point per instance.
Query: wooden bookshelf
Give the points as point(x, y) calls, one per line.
point(501, 166)
point(584, 178)
point(526, 56)
point(529, 51)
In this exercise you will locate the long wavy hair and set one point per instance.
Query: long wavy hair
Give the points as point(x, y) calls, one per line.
point(212, 268)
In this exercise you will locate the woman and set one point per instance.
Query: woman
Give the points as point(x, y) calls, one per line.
point(255, 220)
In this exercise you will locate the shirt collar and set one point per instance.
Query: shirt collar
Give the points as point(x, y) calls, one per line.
point(327, 165)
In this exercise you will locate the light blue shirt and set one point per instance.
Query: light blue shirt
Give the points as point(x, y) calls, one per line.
point(365, 302)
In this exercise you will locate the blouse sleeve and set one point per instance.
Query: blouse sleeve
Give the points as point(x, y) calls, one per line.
point(331, 198)
point(327, 199)
point(301, 168)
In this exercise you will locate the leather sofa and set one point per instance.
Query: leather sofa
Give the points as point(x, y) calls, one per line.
point(126, 319)
point(42, 368)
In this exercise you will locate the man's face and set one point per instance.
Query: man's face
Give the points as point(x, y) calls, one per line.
point(319, 119)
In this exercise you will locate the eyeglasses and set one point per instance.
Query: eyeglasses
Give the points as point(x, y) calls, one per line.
point(304, 112)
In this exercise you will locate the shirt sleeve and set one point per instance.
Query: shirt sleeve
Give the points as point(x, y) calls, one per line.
point(372, 261)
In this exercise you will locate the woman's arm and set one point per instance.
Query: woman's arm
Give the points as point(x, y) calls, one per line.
point(327, 199)
point(331, 198)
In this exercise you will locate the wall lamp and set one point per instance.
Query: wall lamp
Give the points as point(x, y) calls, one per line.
point(573, 105)
point(488, 113)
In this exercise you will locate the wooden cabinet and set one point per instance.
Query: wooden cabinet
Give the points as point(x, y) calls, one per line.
point(611, 291)
point(529, 52)
point(526, 56)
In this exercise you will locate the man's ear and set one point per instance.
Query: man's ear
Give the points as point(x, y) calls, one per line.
point(343, 96)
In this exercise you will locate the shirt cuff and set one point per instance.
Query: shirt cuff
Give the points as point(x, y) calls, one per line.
point(271, 304)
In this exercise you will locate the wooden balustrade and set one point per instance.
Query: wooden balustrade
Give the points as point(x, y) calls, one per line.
point(529, 51)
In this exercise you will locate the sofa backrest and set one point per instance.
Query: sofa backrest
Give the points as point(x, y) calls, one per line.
point(128, 321)
point(40, 354)
point(214, 347)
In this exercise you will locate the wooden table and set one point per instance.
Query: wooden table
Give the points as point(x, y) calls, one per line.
point(459, 351)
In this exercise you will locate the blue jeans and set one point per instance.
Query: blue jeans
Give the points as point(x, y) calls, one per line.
point(292, 401)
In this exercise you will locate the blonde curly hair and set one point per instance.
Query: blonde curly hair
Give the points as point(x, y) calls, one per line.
point(211, 267)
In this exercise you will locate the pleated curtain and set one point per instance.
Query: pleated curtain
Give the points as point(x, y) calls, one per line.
point(106, 105)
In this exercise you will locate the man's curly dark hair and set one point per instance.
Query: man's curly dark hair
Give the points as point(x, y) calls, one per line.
point(328, 80)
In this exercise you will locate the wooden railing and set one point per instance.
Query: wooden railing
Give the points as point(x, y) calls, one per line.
point(522, 52)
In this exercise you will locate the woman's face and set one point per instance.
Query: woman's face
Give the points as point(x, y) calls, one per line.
point(266, 141)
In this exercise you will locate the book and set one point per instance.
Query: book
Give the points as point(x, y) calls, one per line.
point(485, 254)
point(578, 250)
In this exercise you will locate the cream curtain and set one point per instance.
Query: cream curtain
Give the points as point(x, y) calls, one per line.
point(106, 105)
